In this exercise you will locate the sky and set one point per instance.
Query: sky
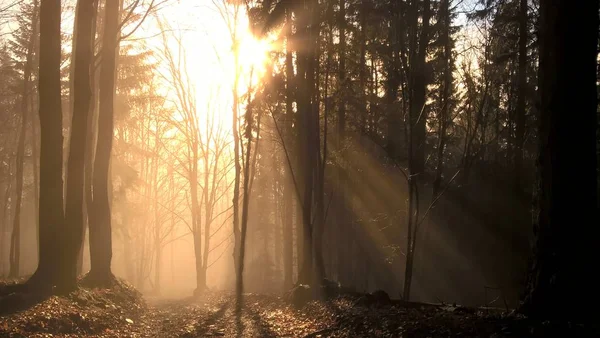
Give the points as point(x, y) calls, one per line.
point(207, 49)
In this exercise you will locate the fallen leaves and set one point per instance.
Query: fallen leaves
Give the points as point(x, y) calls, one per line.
point(121, 312)
point(83, 312)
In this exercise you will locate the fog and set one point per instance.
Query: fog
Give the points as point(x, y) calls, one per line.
point(204, 110)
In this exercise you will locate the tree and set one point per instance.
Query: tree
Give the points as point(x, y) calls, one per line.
point(288, 250)
point(566, 240)
point(51, 215)
point(99, 212)
point(82, 97)
point(522, 93)
point(418, 86)
point(15, 246)
point(231, 18)
point(447, 89)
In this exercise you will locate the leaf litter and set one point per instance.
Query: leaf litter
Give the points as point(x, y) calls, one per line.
point(122, 312)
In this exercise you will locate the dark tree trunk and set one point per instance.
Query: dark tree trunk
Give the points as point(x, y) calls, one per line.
point(51, 216)
point(92, 136)
point(341, 209)
point(299, 238)
point(446, 94)
point(307, 134)
point(72, 235)
point(418, 113)
point(101, 227)
point(288, 185)
point(236, 161)
point(320, 154)
point(239, 285)
point(522, 92)
point(35, 153)
point(560, 284)
point(392, 83)
point(342, 73)
point(363, 70)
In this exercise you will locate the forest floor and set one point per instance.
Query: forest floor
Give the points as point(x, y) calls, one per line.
point(122, 312)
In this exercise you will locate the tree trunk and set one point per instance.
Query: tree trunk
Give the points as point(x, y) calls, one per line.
point(446, 95)
point(521, 94)
point(418, 115)
point(289, 187)
point(51, 216)
point(363, 64)
point(101, 228)
point(4, 219)
point(92, 136)
point(342, 74)
point(305, 137)
point(196, 221)
point(288, 240)
point(288, 184)
point(200, 271)
point(72, 235)
point(392, 83)
point(34, 160)
point(157, 225)
point(236, 146)
point(299, 237)
point(560, 285)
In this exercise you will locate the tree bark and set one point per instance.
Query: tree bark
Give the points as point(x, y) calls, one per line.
point(72, 234)
point(51, 216)
point(392, 83)
point(521, 95)
point(196, 222)
point(239, 285)
point(288, 184)
point(92, 136)
point(418, 115)
point(560, 285)
point(101, 227)
point(446, 95)
point(306, 139)
point(236, 162)
point(200, 271)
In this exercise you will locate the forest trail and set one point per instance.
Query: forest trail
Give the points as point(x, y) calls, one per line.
point(215, 315)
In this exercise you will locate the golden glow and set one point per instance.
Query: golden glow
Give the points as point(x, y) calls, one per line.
point(254, 54)
point(195, 44)
point(206, 31)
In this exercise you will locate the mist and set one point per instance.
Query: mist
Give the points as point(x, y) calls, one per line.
point(320, 156)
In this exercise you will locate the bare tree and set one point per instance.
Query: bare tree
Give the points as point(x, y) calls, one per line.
point(206, 164)
point(15, 246)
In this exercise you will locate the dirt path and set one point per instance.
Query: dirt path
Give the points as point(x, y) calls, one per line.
point(215, 315)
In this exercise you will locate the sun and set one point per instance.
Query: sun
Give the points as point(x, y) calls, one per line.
point(254, 56)
point(202, 44)
point(254, 53)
